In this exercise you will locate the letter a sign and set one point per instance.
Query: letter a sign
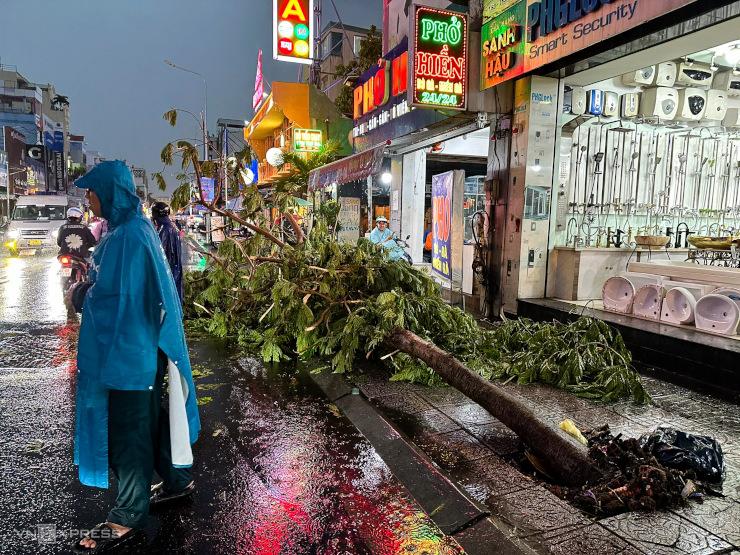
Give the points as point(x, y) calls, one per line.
point(292, 33)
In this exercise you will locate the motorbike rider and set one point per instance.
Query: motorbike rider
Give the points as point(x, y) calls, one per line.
point(75, 238)
point(383, 236)
point(170, 238)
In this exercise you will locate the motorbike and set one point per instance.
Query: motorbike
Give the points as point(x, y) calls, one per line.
point(74, 270)
point(402, 246)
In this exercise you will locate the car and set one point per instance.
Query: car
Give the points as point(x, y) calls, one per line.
point(35, 222)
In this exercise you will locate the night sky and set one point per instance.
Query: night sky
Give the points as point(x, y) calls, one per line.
point(107, 57)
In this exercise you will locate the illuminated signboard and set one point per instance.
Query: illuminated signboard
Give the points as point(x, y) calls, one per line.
point(439, 72)
point(389, 80)
point(292, 33)
point(502, 43)
point(307, 140)
point(529, 34)
point(380, 96)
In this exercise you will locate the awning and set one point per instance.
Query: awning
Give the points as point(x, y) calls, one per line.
point(351, 168)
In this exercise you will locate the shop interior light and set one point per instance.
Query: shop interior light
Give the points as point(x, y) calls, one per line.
point(386, 178)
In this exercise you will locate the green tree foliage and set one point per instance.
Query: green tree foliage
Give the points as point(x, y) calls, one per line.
point(370, 52)
point(331, 301)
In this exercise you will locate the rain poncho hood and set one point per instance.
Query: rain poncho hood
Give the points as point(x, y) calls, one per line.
point(131, 311)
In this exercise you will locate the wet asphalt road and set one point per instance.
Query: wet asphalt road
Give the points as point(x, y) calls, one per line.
point(278, 470)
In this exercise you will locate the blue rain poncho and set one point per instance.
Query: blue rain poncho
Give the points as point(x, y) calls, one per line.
point(170, 238)
point(385, 239)
point(131, 311)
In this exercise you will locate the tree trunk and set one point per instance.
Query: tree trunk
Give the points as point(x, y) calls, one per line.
point(564, 457)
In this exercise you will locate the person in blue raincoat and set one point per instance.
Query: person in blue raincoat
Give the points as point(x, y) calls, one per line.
point(131, 336)
point(170, 238)
point(383, 236)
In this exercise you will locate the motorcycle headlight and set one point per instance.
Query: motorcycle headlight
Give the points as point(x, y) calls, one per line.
point(13, 234)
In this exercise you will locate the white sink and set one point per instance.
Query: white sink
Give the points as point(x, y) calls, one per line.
point(618, 294)
point(648, 301)
point(718, 314)
point(698, 290)
point(679, 306)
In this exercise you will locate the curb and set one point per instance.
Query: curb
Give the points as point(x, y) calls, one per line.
point(454, 513)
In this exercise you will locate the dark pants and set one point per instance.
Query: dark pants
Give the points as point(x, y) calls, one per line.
point(139, 444)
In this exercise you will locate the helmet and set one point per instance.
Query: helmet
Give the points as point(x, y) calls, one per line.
point(381, 219)
point(160, 210)
point(75, 213)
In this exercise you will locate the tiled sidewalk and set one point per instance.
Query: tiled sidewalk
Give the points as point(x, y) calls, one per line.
point(475, 450)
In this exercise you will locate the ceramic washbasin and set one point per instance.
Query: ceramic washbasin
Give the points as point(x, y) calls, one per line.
point(679, 306)
point(618, 292)
point(648, 301)
point(718, 314)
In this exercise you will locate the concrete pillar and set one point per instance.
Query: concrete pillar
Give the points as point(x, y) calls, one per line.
point(532, 159)
point(413, 194)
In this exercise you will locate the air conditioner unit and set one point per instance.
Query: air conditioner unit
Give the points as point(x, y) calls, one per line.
point(666, 74)
point(728, 81)
point(644, 76)
point(716, 105)
point(595, 102)
point(630, 105)
point(732, 119)
point(692, 104)
point(611, 104)
point(694, 75)
point(575, 100)
point(661, 102)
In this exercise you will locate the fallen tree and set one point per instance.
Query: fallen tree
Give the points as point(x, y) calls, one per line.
point(320, 299)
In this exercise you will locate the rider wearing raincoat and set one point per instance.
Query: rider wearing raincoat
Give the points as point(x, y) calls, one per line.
point(383, 236)
point(131, 336)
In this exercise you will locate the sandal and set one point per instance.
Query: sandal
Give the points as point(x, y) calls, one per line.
point(106, 539)
point(161, 497)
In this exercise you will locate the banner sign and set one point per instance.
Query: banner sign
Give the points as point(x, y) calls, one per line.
point(307, 140)
point(439, 72)
point(529, 34)
point(292, 32)
point(208, 187)
point(259, 87)
point(349, 220)
point(351, 168)
point(59, 172)
point(441, 223)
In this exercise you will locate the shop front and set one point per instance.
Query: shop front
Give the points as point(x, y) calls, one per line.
point(421, 111)
point(295, 117)
point(625, 160)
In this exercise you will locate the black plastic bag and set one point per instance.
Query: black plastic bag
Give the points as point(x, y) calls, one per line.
point(682, 451)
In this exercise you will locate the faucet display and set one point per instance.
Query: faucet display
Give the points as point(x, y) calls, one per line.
point(682, 236)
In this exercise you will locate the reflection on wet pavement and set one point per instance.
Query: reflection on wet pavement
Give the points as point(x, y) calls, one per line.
point(278, 470)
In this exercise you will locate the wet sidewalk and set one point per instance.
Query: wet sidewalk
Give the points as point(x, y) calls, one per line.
point(481, 455)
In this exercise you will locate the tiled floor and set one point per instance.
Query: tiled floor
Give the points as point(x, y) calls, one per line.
point(474, 448)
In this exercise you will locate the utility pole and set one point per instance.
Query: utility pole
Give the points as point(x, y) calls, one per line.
point(316, 66)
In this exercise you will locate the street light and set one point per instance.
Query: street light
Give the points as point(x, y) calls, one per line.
point(205, 104)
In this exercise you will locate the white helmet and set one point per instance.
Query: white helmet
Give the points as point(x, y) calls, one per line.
point(74, 212)
point(381, 219)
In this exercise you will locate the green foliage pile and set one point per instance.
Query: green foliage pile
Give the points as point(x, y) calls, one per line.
point(330, 301)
